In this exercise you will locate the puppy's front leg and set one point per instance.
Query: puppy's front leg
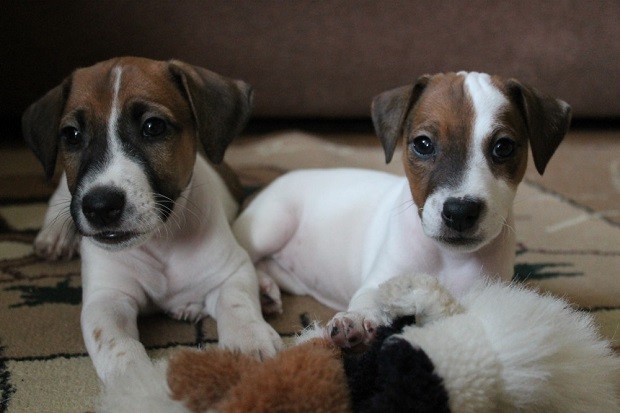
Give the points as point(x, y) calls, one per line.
point(109, 327)
point(240, 324)
point(58, 238)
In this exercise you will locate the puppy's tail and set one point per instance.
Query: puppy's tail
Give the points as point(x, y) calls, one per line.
point(142, 389)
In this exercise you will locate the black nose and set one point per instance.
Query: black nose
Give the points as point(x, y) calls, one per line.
point(461, 214)
point(103, 206)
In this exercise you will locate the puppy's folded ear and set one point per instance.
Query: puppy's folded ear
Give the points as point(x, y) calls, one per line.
point(221, 107)
point(547, 120)
point(389, 111)
point(40, 124)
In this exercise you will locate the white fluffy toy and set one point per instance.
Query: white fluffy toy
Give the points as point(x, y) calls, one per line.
point(499, 348)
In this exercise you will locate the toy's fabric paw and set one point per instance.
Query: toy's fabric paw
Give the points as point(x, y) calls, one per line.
point(57, 240)
point(349, 329)
point(257, 339)
point(419, 295)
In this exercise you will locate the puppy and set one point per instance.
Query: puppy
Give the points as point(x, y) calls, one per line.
point(154, 216)
point(338, 234)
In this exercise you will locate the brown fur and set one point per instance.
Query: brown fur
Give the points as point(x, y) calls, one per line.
point(444, 111)
point(513, 170)
point(200, 379)
point(305, 378)
point(145, 81)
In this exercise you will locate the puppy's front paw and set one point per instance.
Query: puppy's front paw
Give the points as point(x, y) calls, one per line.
point(349, 329)
point(256, 338)
point(270, 298)
point(57, 240)
point(192, 312)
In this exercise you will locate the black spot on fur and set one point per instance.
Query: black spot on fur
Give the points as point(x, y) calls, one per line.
point(402, 322)
point(392, 376)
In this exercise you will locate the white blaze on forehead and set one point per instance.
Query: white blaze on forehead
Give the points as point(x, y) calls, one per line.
point(114, 110)
point(487, 102)
point(120, 170)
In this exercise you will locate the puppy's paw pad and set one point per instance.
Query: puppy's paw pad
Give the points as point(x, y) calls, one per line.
point(349, 329)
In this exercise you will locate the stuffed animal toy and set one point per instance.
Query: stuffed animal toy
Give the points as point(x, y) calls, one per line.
point(497, 348)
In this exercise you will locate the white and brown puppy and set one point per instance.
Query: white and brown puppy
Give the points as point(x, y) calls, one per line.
point(153, 214)
point(338, 234)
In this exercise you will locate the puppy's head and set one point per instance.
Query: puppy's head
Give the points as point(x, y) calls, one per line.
point(466, 138)
point(127, 132)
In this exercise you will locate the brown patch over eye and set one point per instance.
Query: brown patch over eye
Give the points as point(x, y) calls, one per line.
point(436, 137)
point(507, 148)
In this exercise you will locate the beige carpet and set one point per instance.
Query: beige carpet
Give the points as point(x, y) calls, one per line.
point(564, 248)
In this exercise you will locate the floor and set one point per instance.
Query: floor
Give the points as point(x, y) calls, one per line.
point(584, 169)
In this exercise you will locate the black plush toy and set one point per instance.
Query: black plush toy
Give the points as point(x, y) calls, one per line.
point(380, 378)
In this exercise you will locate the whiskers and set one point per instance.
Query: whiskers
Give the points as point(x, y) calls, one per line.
point(63, 218)
point(58, 236)
point(405, 206)
point(503, 221)
point(173, 214)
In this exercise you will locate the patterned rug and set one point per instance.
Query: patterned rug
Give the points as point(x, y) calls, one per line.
point(562, 248)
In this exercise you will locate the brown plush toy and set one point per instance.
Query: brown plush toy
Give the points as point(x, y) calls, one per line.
point(309, 377)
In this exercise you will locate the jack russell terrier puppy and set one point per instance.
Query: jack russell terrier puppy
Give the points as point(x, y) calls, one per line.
point(338, 234)
point(153, 214)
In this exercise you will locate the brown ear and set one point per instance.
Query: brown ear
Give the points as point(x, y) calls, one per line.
point(547, 120)
point(389, 111)
point(221, 106)
point(40, 125)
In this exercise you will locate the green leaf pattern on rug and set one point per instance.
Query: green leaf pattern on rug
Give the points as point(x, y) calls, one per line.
point(62, 293)
point(6, 389)
point(540, 271)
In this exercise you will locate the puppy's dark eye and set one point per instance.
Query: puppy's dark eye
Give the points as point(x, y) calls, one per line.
point(503, 149)
point(153, 127)
point(423, 146)
point(71, 136)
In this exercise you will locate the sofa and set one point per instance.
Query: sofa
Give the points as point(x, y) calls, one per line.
point(322, 59)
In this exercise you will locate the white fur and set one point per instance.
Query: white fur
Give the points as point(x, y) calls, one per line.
point(515, 350)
